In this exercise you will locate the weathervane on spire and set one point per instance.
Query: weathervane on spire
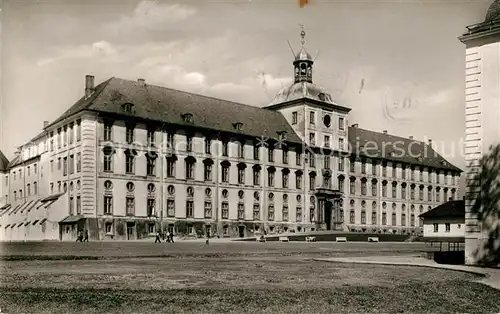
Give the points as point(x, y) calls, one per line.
point(302, 34)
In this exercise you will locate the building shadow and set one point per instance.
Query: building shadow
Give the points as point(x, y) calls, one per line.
point(483, 200)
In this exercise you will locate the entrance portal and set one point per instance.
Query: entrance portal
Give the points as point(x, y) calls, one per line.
point(328, 215)
point(130, 231)
point(241, 231)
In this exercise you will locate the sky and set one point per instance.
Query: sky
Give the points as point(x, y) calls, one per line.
point(373, 56)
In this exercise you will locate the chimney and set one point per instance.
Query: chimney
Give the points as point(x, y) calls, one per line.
point(141, 81)
point(89, 85)
point(45, 124)
point(429, 142)
point(355, 125)
point(385, 131)
point(410, 137)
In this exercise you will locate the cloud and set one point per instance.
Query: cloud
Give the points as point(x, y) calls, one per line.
point(94, 50)
point(151, 15)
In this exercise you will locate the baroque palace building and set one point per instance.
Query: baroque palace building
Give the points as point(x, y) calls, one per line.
point(129, 159)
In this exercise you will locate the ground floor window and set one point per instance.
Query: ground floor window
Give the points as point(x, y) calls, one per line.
point(151, 228)
point(109, 227)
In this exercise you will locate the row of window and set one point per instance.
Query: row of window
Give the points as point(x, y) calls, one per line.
point(447, 227)
point(327, 120)
point(374, 221)
point(68, 164)
point(404, 169)
point(30, 189)
point(66, 135)
point(403, 194)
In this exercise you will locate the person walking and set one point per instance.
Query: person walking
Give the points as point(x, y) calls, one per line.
point(79, 236)
point(171, 235)
point(86, 238)
point(157, 240)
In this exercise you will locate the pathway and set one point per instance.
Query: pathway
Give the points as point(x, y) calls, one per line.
point(491, 275)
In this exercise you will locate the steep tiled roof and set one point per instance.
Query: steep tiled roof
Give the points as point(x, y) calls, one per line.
point(380, 145)
point(14, 162)
point(448, 209)
point(4, 162)
point(169, 105)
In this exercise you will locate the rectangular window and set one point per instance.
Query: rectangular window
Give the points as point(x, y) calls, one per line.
point(35, 188)
point(151, 137)
point(71, 133)
point(374, 188)
point(170, 208)
point(285, 213)
point(341, 123)
point(151, 207)
point(341, 163)
point(65, 135)
point(256, 177)
point(298, 181)
point(270, 154)
point(374, 168)
point(285, 156)
point(189, 170)
point(312, 117)
point(294, 117)
point(403, 172)
point(71, 164)
point(312, 160)
point(78, 205)
point(189, 143)
point(326, 162)
point(327, 141)
point(225, 174)
point(241, 150)
point(384, 170)
point(285, 180)
point(78, 130)
point(298, 158)
point(225, 210)
point(107, 163)
point(394, 191)
point(384, 219)
point(108, 132)
point(241, 175)
point(71, 206)
point(129, 134)
point(363, 167)
point(208, 209)
point(151, 163)
point(270, 179)
point(59, 138)
point(170, 168)
point(65, 166)
point(312, 183)
point(298, 214)
point(78, 162)
point(256, 211)
point(447, 227)
point(312, 139)
point(108, 205)
point(241, 211)
point(130, 210)
point(394, 170)
point(170, 140)
point(270, 212)
point(208, 145)
point(352, 166)
point(436, 227)
point(256, 152)
point(129, 163)
point(341, 144)
point(208, 172)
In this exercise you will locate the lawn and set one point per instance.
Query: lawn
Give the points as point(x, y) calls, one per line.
point(224, 278)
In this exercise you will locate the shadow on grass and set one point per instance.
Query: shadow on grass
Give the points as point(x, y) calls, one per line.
point(483, 197)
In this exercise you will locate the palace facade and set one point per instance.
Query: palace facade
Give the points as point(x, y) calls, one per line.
point(129, 159)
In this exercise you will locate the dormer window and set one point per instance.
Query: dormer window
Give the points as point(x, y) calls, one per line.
point(128, 107)
point(321, 96)
point(238, 126)
point(187, 117)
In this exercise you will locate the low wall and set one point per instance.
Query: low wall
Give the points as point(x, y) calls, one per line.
point(351, 237)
